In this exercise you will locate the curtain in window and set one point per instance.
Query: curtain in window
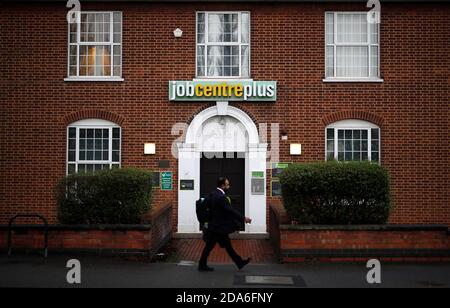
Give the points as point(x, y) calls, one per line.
point(353, 53)
point(351, 61)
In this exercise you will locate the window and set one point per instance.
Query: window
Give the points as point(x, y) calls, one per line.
point(223, 44)
point(353, 140)
point(95, 48)
point(352, 46)
point(93, 145)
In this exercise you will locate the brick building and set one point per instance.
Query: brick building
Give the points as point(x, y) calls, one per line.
point(263, 80)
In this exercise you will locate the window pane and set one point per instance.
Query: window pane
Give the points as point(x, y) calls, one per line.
point(352, 61)
point(117, 27)
point(330, 133)
point(81, 168)
point(364, 146)
point(375, 145)
point(98, 155)
point(348, 145)
point(72, 155)
point(201, 28)
point(348, 156)
point(364, 134)
point(348, 134)
point(245, 28)
point(374, 62)
point(329, 28)
point(116, 133)
point(72, 132)
point(89, 155)
point(351, 28)
point(98, 144)
point(329, 59)
point(375, 156)
point(330, 146)
point(221, 60)
point(223, 28)
point(373, 33)
point(200, 60)
point(115, 156)
point(245, 59)
point(73, 32)
point(95, 60)
point(71, 169)
point(330, 155)
point(72, 144)
point(95, 27)
point(375, 133)
point(364, 156)
point(116, 144)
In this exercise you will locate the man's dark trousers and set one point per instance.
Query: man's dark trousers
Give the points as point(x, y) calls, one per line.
point(224, 241)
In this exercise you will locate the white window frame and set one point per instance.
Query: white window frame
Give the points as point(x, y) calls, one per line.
point(335, 43)
point(92, 124)
point(239, 43)
point(353, 125)
point(110, 43)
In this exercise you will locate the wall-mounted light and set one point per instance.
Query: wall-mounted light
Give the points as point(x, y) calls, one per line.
point(178, 33)
point(149, 148)
point(284, 135)
point(296, 149)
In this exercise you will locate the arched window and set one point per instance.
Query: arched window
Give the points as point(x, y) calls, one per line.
point(93, 145)
point(353, 140)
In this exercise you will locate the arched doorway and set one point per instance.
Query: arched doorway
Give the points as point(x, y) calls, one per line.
point(230, 131)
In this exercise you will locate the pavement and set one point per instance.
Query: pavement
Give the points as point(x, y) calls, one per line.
point(35, 271)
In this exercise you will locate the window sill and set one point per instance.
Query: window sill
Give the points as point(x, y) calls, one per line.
point(374, 80)
point(90, 79)
point(223, 79)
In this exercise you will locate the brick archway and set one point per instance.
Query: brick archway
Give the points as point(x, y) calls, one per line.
point(352, 114)
point(93, 114)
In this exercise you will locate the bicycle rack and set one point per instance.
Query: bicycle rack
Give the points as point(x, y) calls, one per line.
point(10, 225)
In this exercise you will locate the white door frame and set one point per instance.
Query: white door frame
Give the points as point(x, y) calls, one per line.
point(189, 154)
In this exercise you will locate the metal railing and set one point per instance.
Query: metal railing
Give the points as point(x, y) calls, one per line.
point(10, 227)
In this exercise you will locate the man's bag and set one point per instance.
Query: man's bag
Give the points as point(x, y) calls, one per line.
point(202, 210)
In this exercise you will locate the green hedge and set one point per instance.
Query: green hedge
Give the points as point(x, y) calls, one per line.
point(117, 196)
point(336, 193)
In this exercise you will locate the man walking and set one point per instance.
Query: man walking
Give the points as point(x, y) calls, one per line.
point(223, 221)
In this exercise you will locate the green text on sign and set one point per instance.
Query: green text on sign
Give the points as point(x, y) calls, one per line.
point(257, 174)
point(233, 90)
point(166, 180)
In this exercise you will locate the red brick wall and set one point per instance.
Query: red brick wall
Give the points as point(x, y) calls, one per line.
point(344, 239)
point(287, 46)
point(97, 238)
point(295, 243)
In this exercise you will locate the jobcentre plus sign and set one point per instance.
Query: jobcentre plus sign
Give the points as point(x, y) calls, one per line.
point(233, 90)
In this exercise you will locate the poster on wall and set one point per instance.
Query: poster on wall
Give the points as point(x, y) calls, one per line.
point(277, 169)
point(166, 180)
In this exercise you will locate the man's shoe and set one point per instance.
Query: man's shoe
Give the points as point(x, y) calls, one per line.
point(205, 269)
point(244, 263)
